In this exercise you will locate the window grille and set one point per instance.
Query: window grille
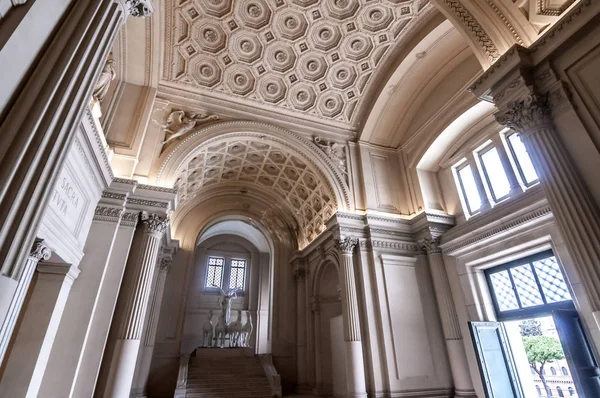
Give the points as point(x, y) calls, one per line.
point(530, 286)
point(214, 277)
point(238, 274)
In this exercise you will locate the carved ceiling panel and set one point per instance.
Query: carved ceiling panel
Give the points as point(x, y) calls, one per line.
point(267, 166)
point(304, 57)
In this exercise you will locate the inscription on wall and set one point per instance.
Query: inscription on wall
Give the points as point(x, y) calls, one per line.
point(67, 201)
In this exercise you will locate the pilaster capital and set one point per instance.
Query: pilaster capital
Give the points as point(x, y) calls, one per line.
point(314, 304)
point(165, 264)
point(299, 274)
point(40, 251)
point(526, 115)
point(139, 8)
point(153, 223)
point(346, 244)
point(430, 245)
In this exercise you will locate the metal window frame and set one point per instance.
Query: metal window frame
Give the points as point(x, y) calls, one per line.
point(517, 163)
point(486, 176)
point(528, 312)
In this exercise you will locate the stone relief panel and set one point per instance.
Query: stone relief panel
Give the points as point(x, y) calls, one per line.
point(308, 57)
point(266, 165)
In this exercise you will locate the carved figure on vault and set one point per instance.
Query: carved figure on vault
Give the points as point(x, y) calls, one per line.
point(107, 75)
point(334, 151)
point(179, 123)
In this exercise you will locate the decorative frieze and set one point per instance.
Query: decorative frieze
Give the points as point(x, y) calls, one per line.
point(130, 218)
point(107, 213)
point(149, 203)
point(114, 195)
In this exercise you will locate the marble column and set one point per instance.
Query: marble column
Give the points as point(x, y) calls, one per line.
point(463, 386)
point(72, 336)
point(301, 302)
point(40, 251)
point(576, 213)
point(132, 303)
point(28, 359)
point(145, 357)
point(355, 368)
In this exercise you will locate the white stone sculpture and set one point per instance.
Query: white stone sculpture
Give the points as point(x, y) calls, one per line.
point(334, 151)
point(247, 330)
point(208, 331)
point(223, 327)
point(221, 331)
point(179, 123)
point(107, 75)
point(235, 331)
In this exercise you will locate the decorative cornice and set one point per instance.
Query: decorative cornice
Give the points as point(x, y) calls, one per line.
point(114, 195)
point(383, 244)
point(153, 223)
point(346, 244)
point(40, 251)
point(125, 181)
point(99, 144)
point(107, 213)
point(538, 213)
point(157, 188)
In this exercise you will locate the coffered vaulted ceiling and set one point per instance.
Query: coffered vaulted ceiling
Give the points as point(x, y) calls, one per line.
point(305, 58)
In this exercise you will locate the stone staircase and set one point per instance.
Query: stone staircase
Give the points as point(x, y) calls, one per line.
point(226, 373)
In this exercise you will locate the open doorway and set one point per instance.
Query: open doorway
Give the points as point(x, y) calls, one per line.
point(538, 347)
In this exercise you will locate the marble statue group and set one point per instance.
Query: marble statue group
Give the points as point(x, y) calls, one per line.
point(237, 332)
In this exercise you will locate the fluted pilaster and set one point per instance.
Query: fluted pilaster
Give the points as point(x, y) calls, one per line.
point(153, 228)
point(576, 213)
point(39, 252)
point(441, 285)
point(347, 281)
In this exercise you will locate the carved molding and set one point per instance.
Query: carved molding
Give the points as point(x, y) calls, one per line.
point(149, 203)
point(475, 29)
point(107, 213)
point(130, 218)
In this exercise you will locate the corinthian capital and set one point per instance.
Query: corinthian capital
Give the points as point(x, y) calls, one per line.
point(430, 245)
point(165, 264)
point(526, 115)
point(153, 223)
point(139, 8)
point(40, 251)
point(346, 245)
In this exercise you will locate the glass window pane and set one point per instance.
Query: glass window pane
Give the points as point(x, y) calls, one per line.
point(214, 277)
point(523, 158)
point(552, 280)
point(238, 274)
point(527, 288)
point(465, 175)
point(505, 295)
point(495, 173)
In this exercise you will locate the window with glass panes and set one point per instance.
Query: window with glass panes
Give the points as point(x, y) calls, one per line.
point(525, 168)
point(237, 275)
point(214, 276)
point(468, 188)
point(494, 173)
point(529, 286)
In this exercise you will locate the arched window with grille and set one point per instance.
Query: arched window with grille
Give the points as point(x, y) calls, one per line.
point(571, 391)
point(539, 390)
point(564, 371)
point(553, 370)
point(560, 392)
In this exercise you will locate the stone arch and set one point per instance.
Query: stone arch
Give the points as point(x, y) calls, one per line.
point(258, 157)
